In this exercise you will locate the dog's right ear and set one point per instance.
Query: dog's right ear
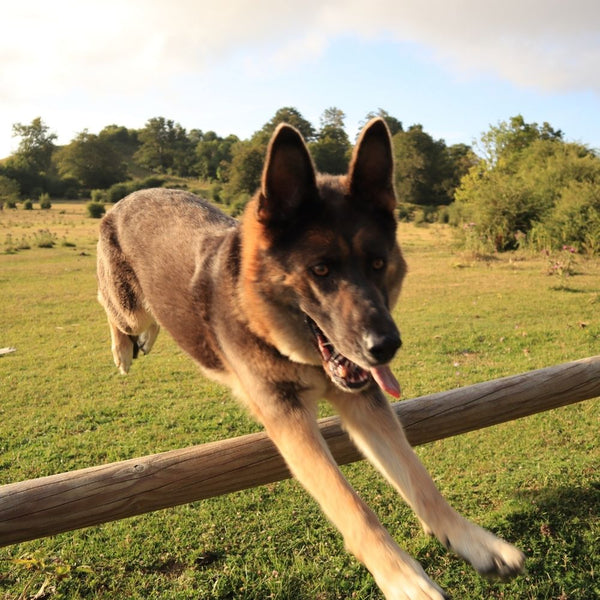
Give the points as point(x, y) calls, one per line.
point(288, 178)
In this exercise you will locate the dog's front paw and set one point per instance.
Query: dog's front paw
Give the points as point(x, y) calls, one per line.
point(489, 555)
point(410, 582)
point(417, 589)
point(503, 561)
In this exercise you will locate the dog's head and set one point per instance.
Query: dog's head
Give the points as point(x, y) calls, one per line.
point(321, 266)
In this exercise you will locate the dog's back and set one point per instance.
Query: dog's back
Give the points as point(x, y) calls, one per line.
point(158, 249)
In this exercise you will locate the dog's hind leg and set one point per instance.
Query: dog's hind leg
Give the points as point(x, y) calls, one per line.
point(146, 339)
point(123, 347)
point(376, 431)
point(132, 326)
point(126, 346)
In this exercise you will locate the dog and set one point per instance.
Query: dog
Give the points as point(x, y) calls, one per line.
point(286, 307)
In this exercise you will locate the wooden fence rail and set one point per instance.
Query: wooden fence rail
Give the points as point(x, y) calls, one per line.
point(50, 505)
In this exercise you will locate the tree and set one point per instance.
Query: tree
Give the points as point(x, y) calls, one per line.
point(331, 150)
point(246, 169)
point(9, 191)
point(124, 141)
point(574, 220)
point(291, 116)
point(36, 145)
point(31, 165)
point(212, 154)
point(333, 117)
point(495, 207)
point(505, 141)
point(394, 125)
point(422, 168)
point(92, 160)
point(537, 187)
point(165, 147)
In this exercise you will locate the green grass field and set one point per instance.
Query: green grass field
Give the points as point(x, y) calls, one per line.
point(63, 406)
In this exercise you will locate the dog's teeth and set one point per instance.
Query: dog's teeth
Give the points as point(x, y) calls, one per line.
point(325, 352)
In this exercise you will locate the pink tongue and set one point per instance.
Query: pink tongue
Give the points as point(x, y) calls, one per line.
point(386, 380)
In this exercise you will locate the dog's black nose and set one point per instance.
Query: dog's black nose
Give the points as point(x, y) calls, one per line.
point(383, 347)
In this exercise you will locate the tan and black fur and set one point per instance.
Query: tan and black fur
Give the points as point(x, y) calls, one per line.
point(287, 307)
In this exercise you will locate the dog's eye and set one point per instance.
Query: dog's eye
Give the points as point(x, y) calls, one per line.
point(378, 264)
point(321, 270)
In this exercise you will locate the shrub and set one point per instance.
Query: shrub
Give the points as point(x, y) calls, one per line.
point(9, 246)
point(405, 212)
point(443, 215)
point(575, 219)
point(419, 217)
point(98, 195)
point(95, 210)
point(45, 203)
point(9, 191)
point(117, 192)
point(44, 238)
point(153, 181)
point(215, 193)
point(27, 205)
point(238, 204)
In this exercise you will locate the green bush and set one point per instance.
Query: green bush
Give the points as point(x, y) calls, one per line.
point(215, 193)
point(575, 219)
point(27, 205)
point(98, 195)
point(45, 203)
point(94, 209)
point(405, 212)
point(239, 204)
point(543, 194)
point(116, 192)
point(419, 217)
point(44, 238)
point(153, 181)
point(9, 192)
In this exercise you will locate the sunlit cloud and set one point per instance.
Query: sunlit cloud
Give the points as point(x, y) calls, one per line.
point(69, 55)
point(127, 45)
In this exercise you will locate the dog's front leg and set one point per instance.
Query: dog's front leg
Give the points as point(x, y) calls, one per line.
point(294, 430)
point(377, 432)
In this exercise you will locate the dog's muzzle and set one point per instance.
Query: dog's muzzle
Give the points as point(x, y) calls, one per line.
point(349, 376)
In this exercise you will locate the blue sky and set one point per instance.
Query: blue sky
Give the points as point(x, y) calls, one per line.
point(454, 67)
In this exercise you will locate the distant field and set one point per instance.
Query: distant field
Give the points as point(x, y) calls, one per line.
point(463, 319)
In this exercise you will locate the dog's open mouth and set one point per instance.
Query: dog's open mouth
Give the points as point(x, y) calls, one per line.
point(346, 374)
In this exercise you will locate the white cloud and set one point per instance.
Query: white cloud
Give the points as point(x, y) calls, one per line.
point(545, 44)
point(52, 52)
point(128, 45)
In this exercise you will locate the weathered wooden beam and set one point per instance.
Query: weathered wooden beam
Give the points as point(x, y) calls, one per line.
point(50, 505)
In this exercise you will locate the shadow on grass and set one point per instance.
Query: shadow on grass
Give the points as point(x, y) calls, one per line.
point(560, 533)
point(570, 290)
point(566, 502)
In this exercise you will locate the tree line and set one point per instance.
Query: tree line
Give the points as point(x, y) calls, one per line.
point(428, 169)
point(522, 183)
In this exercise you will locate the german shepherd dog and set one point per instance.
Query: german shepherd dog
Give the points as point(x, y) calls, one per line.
point(288, 306)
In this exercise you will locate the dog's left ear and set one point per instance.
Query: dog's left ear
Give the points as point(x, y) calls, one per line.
point(371, 173)
point(288, 179)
